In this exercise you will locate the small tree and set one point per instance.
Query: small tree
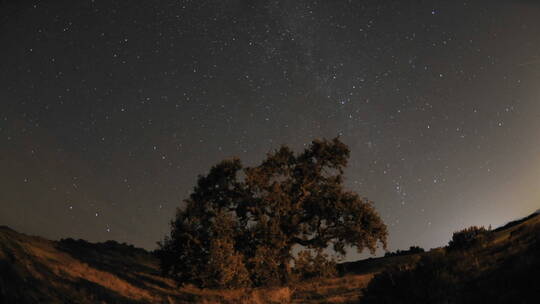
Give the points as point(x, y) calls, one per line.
point(469, 237)
point(258, 214)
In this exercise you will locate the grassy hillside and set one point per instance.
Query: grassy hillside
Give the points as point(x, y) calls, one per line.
point(36, 270)
point(499, 266)
point(502, 268)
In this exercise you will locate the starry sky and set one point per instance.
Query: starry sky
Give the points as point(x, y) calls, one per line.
point(110, 109)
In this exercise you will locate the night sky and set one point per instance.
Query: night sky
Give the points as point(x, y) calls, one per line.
point(110, 109)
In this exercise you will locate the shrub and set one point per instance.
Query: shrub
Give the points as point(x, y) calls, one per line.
point(264, 267)
point(434, 280)
point(226, 267)
point(307, 265)
point(412, 250)
point(506, 272)
point(469, 238)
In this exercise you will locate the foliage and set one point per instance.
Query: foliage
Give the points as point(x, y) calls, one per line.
point(431, 281)
point(225, 265)
point(411, 250)
point(503, 272)
point(308, 265)
point(258, 214)
point(469, 237)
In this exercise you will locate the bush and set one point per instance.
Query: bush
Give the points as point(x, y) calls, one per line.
point(264, 267)
point(309, 266)
point(226, 267)
point(412, 250)
point(506, 272)
point(437, 278)
point(471, 237)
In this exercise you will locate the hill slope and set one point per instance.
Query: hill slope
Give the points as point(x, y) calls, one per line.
point(499, 266)
point(36, 270)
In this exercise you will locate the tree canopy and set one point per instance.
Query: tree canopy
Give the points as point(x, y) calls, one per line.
point(240, 225)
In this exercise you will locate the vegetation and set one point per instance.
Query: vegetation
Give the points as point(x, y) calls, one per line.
point(36, 270)
point(240, 225)
point(503, 270)
point(469, 237)
point(308, 265)
point(412, 250)
point(478, 266)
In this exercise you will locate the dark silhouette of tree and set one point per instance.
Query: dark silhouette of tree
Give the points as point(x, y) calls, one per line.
point(411, 250)
point(255, 216)
point(469, 237)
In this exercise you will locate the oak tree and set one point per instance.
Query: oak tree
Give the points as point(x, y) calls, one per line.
point(240, 225)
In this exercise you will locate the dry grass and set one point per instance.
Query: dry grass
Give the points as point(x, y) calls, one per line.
point(346, 289)
point(46, 262)
point(59, 271)
point(278, 295)
point(42, 260)
point(64, 266)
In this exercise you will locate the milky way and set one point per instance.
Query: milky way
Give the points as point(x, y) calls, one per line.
point(110, 109)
